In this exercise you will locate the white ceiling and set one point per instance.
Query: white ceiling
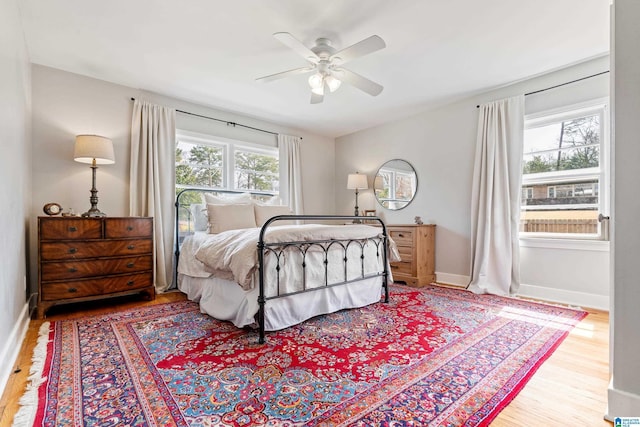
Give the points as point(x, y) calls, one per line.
point(211, 51)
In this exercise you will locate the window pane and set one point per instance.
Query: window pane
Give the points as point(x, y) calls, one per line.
point(199, 165)
point(405, 186)
point(567, 145)
point(256, 171)
point(561, 174)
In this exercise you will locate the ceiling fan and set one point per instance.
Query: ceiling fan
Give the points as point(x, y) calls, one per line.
point(327, 64)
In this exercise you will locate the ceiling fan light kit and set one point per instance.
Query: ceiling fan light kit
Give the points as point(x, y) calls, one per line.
point(327, 64)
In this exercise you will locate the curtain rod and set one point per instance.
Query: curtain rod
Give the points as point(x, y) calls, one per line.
point(563, 84)
point(228, 123)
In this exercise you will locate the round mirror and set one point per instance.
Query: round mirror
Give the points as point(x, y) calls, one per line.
point(395, 184)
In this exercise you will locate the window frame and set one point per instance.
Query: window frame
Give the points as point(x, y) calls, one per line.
point(230, 146)
point(546, 117)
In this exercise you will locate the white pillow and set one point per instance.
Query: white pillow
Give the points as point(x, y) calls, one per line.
point(230, 217)
point(199, 216)
point(227, 199)
point(271, 201)
point(264, 212)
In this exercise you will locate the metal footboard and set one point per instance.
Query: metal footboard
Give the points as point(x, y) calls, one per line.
point(278, 249)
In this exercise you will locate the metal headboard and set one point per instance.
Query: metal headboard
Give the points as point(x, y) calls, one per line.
point(180, 205)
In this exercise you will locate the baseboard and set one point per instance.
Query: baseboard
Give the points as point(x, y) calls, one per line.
point(11, 348)
point(452, 279)
point(621, 404)
point(562, 296)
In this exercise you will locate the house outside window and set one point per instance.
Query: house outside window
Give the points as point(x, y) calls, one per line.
point(564, 171)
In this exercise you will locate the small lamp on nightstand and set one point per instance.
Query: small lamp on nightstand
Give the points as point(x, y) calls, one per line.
point(357, 181)
point(95, 150)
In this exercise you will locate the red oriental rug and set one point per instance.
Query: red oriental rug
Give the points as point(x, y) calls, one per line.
point(431, 357)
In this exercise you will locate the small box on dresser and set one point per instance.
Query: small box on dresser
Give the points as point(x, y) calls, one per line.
point(82, 259)
point(416, 245)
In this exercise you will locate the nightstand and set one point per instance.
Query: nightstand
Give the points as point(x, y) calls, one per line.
point(416, 245)
point(82, 259)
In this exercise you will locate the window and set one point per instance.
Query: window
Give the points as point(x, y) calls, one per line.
point(564, 169)
point(218, 163)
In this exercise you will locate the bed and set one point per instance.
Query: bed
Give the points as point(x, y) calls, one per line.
point(282, 270)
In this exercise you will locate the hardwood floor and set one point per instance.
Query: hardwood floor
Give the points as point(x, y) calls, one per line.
point(570, 388)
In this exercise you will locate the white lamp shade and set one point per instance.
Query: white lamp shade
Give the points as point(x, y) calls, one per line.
point(332, 82)
point(357, 181)
point(316, 81)
point(90, 147)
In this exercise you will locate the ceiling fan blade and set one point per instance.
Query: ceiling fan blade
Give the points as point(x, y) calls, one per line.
point(316, 99)
point(354, 79)
point(283, 74)
point(364, 47)
point(295, 44)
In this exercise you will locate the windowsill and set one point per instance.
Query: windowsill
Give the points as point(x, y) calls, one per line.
point(570, 244)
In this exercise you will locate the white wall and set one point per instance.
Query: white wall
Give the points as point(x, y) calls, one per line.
point(15, 175)
point(66, 104)
point(624, 389)
point(440, 144)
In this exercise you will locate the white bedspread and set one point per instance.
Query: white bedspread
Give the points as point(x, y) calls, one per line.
point(232, 254)
point(208, 277)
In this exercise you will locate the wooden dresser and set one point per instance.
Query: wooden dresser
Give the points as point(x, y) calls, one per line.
point(82, 259)
point(416, 244)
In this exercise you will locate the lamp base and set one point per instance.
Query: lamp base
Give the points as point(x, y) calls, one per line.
point(93, 213)
point(356, 211)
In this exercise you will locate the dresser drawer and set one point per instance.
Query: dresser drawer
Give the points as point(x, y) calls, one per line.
point(65, 290)
point(402, 237)
point(125, 283)
point(128, 227)
point(90, 268)
point(70, 228)
point(401, 267)
point(406, 253)
point(103, 248)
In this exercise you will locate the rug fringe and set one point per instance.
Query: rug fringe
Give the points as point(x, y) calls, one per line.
point(29, 400)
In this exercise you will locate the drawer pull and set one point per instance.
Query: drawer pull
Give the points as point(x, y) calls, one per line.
point(131, 247)
point(394, 266)
point(73, 229)
point(131, 283)
point(131, 265)
point(400, 235)
point(73, 270)
point(129, 228)
point(72, 290)
point(73, 250)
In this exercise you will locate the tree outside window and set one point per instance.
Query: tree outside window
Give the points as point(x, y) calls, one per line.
point(256, 171)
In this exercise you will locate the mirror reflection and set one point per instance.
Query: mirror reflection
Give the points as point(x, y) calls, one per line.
point(395, 184)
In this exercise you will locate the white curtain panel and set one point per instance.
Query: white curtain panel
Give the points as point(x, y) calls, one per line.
point(495, 202)
point(290, 172)
point(152, 180)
